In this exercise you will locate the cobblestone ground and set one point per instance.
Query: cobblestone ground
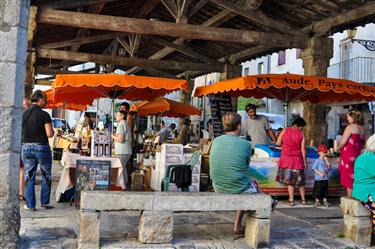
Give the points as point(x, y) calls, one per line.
point(297, 227)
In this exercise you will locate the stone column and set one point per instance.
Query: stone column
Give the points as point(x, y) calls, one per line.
point(13, 40)
point(258, 225)
point(232, 71)
point(156, 227)
point(89, 229)
point(357, 222)
point(315, 63)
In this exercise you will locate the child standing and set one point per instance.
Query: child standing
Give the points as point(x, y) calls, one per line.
point(321, 167)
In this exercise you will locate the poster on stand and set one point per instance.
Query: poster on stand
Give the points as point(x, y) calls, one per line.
point(91, 175)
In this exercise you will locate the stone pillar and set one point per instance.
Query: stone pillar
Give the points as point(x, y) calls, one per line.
point(315, 63)
point(89, 229)
point(357, 222)
point(156, 227)
point(13, 40)
point(231, 71)
point(258, 230)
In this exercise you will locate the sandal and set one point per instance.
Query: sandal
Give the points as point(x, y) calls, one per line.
point(21, 198)
point(303, 202)
point(291, 203)
point(240, 232)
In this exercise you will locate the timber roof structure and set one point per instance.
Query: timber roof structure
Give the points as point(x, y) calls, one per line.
point(181, 38)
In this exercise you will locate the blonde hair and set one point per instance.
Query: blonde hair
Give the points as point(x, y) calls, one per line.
point(356, 115)
point(370, 144)
point(231, 121)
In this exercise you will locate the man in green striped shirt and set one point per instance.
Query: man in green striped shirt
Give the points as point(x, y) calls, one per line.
point(229, 163)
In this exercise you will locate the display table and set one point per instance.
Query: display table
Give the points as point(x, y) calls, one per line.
point(69, 161)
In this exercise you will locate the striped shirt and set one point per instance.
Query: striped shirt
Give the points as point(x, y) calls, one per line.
point(229, 163)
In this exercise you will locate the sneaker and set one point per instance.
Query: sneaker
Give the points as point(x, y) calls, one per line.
point(47, 206)
point(326, 204)
point(317, 204)
point(28, 209)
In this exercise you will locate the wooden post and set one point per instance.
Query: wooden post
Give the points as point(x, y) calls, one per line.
point(31, 56)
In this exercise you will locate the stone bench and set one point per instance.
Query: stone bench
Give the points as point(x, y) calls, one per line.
point(357, 222)
point(156, 221)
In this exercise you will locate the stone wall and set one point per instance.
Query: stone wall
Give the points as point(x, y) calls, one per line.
point(13, 40)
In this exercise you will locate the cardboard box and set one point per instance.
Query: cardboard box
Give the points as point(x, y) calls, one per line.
point(168, 149)
point(136, 181)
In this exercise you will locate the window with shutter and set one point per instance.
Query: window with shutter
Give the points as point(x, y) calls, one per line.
point(281, 58)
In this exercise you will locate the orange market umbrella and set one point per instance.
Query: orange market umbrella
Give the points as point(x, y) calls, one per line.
point(166, 107)
point(84, 88)
point(291, 87)
point(65, 105)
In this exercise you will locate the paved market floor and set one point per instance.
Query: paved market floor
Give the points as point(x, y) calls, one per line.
point(297, 227)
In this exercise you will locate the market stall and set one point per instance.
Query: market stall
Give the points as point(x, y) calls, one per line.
point(159, 158)
point(83, 90)
point(290, 87)
point(68, 175)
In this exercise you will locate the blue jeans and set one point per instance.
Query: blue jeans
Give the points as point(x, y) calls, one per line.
point(32, 155)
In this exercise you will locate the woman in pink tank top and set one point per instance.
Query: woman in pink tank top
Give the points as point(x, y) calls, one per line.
point(292, 162)
point(350, 146)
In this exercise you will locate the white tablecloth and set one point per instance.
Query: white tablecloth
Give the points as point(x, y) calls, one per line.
point(69, 160)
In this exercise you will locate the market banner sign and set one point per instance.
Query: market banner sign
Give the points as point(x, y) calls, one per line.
point(292, 87)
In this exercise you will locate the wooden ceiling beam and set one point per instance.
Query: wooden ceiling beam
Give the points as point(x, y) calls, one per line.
point(244, 54)
point(81, 33)
point(216, 20)
point(197, 7)
point(159, 73)
point(257, 17)
point(322, 28)
point(133, 25)
point(146, 9)
point(171, 7)
point(69, 4)
point(81, 40)
point(182, 49)
point(50, 71)
point(125, 61)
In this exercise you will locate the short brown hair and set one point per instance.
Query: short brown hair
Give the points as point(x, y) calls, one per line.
point(231, 121)
point(356, 115)
point(37, 95)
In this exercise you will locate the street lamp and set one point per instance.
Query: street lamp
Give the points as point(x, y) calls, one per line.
point(368, 44)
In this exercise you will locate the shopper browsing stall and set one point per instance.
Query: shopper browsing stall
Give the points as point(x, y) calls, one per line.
point(292, 163)
point(122, 139)
point(185, 133)
point(351, 145)
point(165, 132)
point(36, 129)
